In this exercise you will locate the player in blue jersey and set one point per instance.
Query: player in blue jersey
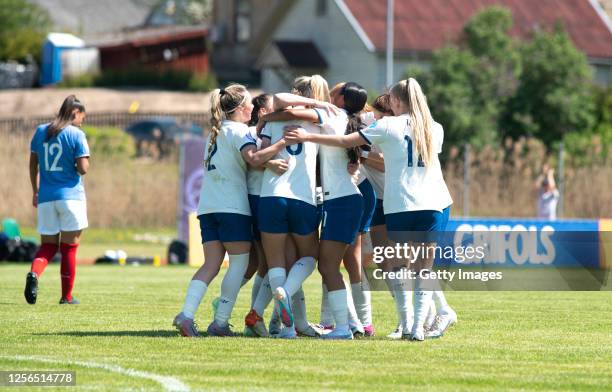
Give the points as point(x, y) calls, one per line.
point(59, 157)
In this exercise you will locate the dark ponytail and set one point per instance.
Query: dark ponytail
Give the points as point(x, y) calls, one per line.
point(382, 103)
point(355, 98)
point(65, 116)
point(258, 102)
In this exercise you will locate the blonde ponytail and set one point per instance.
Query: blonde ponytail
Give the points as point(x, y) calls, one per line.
point(410, 94)
point(320, 88)
point(314, 87)
point(222, 103)
point(216, 116)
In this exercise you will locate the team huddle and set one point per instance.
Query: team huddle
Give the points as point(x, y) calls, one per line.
point(292, 182)
point(261, 203)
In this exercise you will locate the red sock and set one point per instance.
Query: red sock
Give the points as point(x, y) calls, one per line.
point(68, 268)
point(42, 258)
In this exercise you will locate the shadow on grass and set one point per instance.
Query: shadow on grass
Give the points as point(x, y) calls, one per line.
point(143, 334)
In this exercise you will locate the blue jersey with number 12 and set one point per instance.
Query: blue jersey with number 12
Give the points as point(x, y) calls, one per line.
point(59, 179)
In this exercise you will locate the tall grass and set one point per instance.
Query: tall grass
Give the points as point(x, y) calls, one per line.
point(503, 181)
point(121, 191)
point(125, 192)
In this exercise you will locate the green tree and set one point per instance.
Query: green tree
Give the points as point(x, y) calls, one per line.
point(24, 26)
point(492, 86)
point(554, 96)
point(469, 86)
point(448, 91)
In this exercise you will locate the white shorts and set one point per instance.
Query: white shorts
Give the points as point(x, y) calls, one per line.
point(62, 215)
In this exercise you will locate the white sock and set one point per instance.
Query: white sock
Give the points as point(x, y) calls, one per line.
point(362, 300)
point(403, 302)
point(195, 292)
point(299, 311)
point(299, 272)
point(353, 319)
point(439, 297)
point(230, 286)
point(431, 314)
point(422, 302)
point(264, 297)
point(338, 302)
point(277, 277)
point(327, 318)
point(255, 288)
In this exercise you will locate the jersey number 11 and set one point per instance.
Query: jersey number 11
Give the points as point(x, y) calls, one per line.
point(420, 162)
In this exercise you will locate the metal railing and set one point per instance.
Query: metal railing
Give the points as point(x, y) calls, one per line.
point(101, 119)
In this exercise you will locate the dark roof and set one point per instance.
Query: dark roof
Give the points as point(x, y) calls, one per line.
point(426, 26)
point(89, 18)
point(301, 54)
point(150, 36)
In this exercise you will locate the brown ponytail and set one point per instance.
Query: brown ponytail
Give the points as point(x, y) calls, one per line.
point(382, 103)
point(69, 108)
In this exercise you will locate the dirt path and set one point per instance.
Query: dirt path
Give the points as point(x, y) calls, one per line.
point(43, 102)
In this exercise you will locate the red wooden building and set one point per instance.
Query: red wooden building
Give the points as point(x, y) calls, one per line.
point(178, 48)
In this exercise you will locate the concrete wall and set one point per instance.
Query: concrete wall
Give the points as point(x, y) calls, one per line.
point(346, 55)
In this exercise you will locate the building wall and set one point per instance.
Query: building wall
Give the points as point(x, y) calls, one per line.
point(233, 60)
point(347, 57)
point(607, 6)
point(186, 54)
point(400, 66)
point(602, 73)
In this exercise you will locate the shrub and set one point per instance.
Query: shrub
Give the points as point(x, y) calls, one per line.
point(109, 142)
point(202, 82)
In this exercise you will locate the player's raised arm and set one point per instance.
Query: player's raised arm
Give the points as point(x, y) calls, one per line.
point(285, 100)
point(296, 114)
point(296, 134)
point(258, 158)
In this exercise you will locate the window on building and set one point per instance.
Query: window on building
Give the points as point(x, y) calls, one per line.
point(243, 20)
point(321, 7)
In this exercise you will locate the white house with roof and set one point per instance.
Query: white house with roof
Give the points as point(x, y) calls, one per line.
point(345, 39)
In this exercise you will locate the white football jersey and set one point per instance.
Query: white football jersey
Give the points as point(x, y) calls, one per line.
point(254, 176)
point(224, 184)
point(409, 185)
point(299, 181)
point(335, 178)
point(376, 177)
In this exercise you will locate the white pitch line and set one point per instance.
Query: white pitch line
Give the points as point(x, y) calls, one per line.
point(168, 383)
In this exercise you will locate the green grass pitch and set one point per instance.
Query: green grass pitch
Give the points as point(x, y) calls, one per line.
point(503, 341)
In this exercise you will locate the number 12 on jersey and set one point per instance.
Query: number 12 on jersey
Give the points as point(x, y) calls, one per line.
point(212, 154)
point(53, 151)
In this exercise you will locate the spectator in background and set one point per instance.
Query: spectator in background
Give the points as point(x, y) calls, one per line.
point(548, 195)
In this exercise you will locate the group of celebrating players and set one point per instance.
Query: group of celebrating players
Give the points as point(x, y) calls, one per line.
point(379, 175)
point(379, 172)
